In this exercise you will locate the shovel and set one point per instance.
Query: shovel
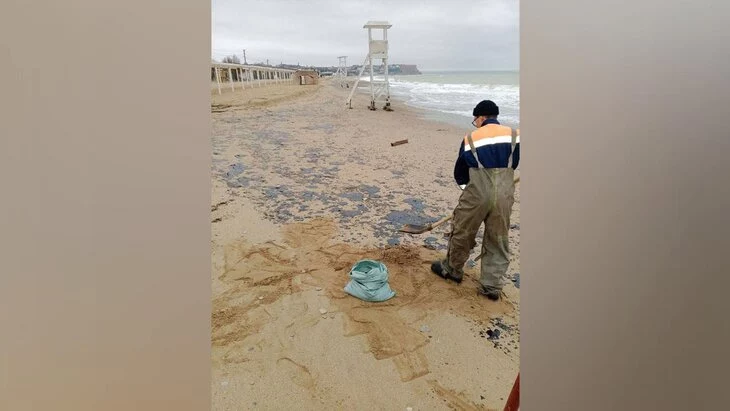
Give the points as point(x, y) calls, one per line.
point(420, 229)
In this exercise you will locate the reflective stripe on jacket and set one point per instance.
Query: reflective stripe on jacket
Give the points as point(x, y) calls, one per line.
point(493, 144)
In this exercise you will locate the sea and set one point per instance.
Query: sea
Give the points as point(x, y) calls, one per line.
point(450, 96)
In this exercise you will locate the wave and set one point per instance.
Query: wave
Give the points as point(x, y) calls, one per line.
point(456, 99)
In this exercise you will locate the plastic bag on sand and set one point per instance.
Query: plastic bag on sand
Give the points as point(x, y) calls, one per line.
point(369, 281)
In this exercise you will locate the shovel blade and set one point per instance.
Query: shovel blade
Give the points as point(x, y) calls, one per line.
point(415, 229)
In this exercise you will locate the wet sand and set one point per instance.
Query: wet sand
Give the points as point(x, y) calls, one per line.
point(303, 188)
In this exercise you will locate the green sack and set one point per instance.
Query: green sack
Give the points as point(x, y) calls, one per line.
point(369, 281)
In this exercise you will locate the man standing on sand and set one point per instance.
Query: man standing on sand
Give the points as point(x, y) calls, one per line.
point(485, 172)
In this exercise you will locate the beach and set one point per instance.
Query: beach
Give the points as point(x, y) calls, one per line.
point(302, 188)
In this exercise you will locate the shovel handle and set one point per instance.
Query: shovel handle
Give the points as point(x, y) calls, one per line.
point(441, 221)
point(445, 219)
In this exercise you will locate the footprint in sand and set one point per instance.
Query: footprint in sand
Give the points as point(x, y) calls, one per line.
point(299, 374)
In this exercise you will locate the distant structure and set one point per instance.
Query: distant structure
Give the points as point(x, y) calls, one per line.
point(377, 49)
point(306, 77)
point(341, 73)
point(407, 69)
point(242, 74)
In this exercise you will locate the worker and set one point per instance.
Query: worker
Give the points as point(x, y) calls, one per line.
point(484, 171)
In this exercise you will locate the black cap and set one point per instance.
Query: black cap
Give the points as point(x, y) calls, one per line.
point(486, 108)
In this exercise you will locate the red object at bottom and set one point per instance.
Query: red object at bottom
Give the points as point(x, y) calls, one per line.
point(513, 402)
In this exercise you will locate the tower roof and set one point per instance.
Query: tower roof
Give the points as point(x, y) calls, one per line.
point(372, 24)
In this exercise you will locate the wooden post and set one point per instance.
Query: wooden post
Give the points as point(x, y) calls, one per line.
point(372, 86)
point(230, 78)
point(513, 401)
point(218, 79)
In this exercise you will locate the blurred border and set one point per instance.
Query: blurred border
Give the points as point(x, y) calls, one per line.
point(105, 168)
point(624, 109)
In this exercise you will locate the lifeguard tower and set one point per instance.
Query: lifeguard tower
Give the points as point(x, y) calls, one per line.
point(341, 74)
point(377, 49)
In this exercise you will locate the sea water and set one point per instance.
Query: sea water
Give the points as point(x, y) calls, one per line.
point(450, 96)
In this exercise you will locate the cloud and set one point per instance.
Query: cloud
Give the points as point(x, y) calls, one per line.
point(455, 34)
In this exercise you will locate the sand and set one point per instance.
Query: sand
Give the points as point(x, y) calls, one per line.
point(303, 188)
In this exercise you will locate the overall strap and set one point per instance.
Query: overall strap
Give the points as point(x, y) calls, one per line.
point(514, 142)
point(474, 150)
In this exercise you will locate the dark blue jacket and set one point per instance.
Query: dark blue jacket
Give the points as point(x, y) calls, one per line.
point(493, 153)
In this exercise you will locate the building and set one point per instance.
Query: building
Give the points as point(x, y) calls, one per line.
point(306, 77)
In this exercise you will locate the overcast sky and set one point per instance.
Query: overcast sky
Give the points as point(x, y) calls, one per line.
point(435, 35)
